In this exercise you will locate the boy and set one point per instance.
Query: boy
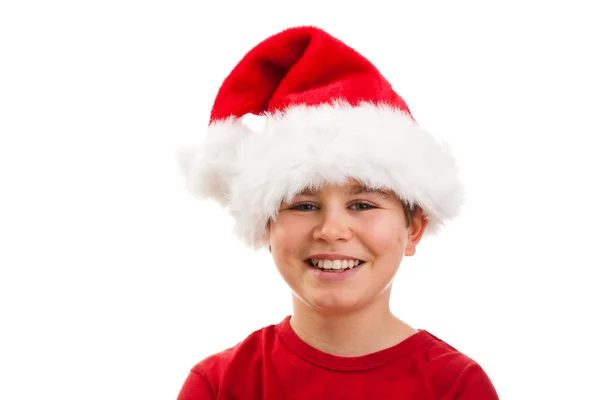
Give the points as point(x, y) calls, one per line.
point(339, 185)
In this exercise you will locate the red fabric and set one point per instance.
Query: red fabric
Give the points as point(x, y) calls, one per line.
point(273, 363)
point(302, 65)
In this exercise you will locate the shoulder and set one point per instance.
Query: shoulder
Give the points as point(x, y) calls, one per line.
point(449, 370)
point(242, 356)
point(206, 376)
point(249, 348)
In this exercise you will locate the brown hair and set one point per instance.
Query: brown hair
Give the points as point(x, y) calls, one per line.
point(409, 212)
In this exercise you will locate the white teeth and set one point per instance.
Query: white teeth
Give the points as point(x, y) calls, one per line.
point(334, 264)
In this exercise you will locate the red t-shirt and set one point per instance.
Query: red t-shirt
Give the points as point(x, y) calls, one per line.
point(274, 363)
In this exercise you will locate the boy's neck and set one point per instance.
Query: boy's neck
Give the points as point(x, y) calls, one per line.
point(362, 332)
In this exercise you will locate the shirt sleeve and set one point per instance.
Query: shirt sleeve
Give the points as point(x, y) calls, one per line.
point(196, 387)
point(477, 386)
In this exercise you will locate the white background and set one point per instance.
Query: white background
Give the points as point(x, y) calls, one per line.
point(115, 281)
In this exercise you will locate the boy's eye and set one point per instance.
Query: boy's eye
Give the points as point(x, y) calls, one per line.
point(304, 207)
point(362, 206)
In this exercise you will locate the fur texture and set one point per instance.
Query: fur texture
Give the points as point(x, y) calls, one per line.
point(209, 168)
point(251, 173)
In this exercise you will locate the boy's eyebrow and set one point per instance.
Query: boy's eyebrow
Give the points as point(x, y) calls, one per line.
point(360, 189)
point(307, 191)
point(354, 190)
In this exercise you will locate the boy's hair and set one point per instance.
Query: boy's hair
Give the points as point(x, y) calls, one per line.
point(409, 212)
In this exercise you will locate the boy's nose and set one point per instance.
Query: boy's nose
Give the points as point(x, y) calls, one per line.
point(334, 227)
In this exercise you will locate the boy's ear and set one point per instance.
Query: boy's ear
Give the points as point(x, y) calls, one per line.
point(415, 232)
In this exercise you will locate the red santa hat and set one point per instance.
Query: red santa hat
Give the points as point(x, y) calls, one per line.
point(329, 116)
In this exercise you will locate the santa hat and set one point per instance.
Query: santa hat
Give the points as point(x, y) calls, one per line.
point(329, 116)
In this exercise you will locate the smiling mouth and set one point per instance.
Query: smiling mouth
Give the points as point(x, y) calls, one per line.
point(334, 266)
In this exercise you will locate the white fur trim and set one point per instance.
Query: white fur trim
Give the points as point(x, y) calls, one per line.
point(208, 168)
point(310, 146)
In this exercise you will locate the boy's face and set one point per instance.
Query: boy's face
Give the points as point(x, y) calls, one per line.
point(338, 223)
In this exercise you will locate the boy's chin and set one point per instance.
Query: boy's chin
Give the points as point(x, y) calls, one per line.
point(335, 303)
